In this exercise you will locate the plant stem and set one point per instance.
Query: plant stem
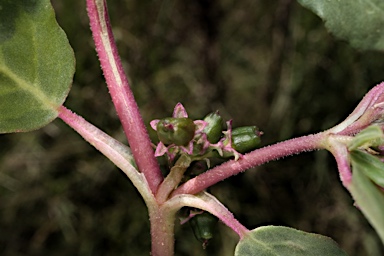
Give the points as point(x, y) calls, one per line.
point(117, 152)
point(173, 179)
point(337, 146)
point(163, 218)
point(162, 231)
point(121, 93)
point(209, 203)
point(252, 159)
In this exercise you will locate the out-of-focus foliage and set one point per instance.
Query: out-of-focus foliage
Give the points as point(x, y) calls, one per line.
point(265, 63)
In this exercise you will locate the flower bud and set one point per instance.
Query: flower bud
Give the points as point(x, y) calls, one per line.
point(203, 226)
point(214, 128)
point(246, 138)
point(178, 131)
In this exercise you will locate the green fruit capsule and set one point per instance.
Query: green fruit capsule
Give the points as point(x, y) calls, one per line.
point(178, 131)
point(246, 138)
point(203, 226)
point(214, 129)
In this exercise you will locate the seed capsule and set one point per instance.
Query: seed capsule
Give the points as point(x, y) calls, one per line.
point(178, 131)
point(214, 128)
point(245, 139)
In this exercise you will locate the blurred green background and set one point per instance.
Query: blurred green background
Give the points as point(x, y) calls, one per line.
point(265, 63)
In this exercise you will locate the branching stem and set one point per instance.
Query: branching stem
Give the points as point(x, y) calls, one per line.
point(117, 152)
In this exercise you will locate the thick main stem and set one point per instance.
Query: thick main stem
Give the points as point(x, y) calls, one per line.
point(255, 158)
point(162, 231)
point(121, 93)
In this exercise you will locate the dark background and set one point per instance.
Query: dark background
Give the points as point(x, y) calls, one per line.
point(265, 63)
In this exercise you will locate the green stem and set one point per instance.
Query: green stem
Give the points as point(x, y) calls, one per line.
point(173, 179)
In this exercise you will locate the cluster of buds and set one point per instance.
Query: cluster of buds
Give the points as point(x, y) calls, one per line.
point(189, 140)
point(202, 139)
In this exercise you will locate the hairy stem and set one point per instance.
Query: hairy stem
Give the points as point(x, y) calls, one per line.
point(117, 152)
point(337, 146)
point(121, 93)
point(162, 231)
point(209, 203)
point(252, 159)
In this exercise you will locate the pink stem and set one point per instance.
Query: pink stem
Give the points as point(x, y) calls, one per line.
point(208, 202)
point(252, 159)
point(121, 93)
point(340, 152)
point(162, 232)
point(116, 151)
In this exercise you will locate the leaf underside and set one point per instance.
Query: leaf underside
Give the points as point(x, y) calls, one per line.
point(282, 241)
point(36, 65)
point(359, 22)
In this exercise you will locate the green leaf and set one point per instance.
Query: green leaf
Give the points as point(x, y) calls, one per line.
point(370, 165)
point(36, 65)
point(282, 241)
point(359, 22)
point(368, 197)
point(371, 136)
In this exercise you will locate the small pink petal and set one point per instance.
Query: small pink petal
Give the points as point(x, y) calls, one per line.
point(203, 140)
point(200, 125)
point(179, 111)
point(154, 123)
point(188, 149)
point(161, 149)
